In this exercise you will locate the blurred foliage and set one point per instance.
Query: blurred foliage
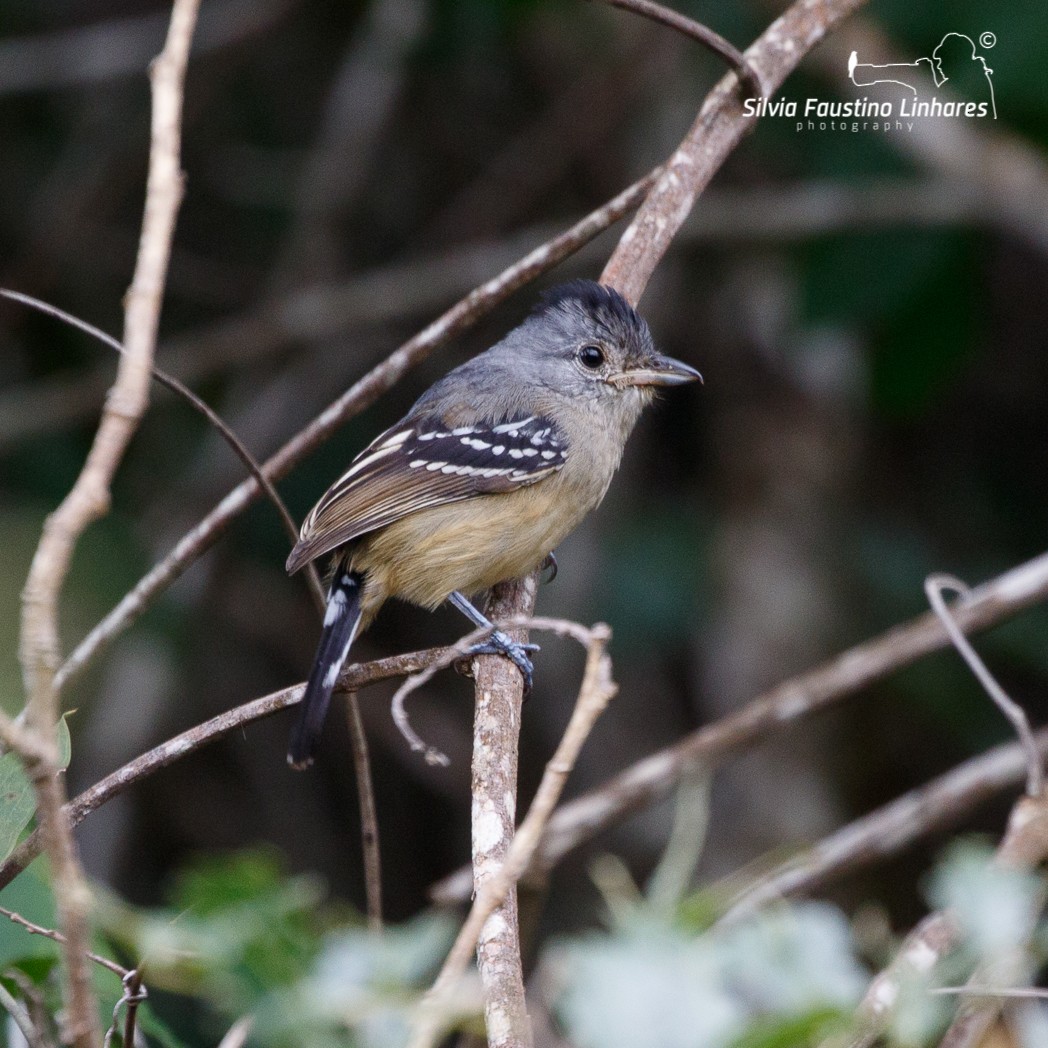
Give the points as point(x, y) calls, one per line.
point(249, 940)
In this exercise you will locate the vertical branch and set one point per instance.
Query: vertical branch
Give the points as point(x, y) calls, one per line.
point(496, 734)
point(40, 648)
point(369, 838)
point(595, 692)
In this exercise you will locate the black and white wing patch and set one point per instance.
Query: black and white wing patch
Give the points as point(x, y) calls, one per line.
point(427, 463)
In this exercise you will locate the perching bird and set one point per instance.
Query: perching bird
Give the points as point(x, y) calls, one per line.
point(493, 466)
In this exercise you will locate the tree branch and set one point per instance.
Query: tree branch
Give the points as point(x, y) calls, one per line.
point(720, 125)
point(496, 738)
point(651, 779)
point(596, 691)
point(891, 828)
point(353, 678)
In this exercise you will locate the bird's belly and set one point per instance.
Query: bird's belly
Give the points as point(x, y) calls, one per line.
point(465, 546)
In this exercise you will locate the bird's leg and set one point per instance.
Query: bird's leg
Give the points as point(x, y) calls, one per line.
point(550, 561)
point(498, 643)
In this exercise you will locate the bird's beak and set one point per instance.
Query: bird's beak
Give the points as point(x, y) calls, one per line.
point(657, 371)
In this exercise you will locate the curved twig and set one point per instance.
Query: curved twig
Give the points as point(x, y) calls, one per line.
point(716, 43)
point(199, 405)
point(934, 586)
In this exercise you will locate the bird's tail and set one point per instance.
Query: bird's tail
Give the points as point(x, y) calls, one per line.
point(340, 626)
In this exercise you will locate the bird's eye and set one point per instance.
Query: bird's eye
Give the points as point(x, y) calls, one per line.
point(591, 356)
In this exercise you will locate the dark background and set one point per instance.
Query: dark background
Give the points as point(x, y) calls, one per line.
point(869, 314)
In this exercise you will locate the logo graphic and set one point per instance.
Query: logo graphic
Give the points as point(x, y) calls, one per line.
point(954, 55)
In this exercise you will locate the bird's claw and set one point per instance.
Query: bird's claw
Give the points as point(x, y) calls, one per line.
point(500, 643)
point(549, 563)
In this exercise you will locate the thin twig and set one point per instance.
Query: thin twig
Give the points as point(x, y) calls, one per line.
point(50, 933)
point(199, 405)
point(747, 75)
point(654, 777)
point(369, 835)
point(363, 393)
point(40, 647)
point(933, 587)
point(452, 654)
point(353, 678)
point(134, 994)
point(596, 690)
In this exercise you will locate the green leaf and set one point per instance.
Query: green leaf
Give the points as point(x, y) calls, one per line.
point(798, 1031)
point(17, 800)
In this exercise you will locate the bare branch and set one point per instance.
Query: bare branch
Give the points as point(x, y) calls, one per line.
point(893, 827)
point(651, 779)
point(353, 678)
point(50, 933)
point(596, 691)
point(369, 836)
point(496, 737)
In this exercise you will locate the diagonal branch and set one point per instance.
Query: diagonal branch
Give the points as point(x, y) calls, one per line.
point(927, 809)
point(719, 127)
point(354, 677)
point(654, 777)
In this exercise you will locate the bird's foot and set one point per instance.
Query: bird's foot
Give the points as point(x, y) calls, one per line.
point(500, 643)
point(549, 563)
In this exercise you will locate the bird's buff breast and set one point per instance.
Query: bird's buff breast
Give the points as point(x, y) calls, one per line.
point(470, 546)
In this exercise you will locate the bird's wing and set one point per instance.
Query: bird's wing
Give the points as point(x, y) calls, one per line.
point(424, 463)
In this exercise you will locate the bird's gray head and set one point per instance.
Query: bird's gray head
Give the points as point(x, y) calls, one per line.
point(589, 342)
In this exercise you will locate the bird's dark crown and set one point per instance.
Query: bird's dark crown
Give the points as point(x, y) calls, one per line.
point(593, 298)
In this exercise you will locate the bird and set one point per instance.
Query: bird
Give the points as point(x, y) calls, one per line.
point(494, 465)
